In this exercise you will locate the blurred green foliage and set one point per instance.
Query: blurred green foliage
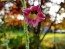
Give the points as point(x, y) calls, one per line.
point(17, 40)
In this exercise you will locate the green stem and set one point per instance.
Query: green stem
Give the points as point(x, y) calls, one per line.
point(25, 26)
point(26, 35)
point(27, 41)
point(24, 3)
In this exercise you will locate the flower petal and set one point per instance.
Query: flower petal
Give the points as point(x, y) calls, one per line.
point(34, 23)
point(39, 8)
point(27, 11)
point(41, 15)
point(28, 21)
point(33, 8)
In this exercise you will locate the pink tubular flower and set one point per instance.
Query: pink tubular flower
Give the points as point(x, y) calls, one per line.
point(33, 15)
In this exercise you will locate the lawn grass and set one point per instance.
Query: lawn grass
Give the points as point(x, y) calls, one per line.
point(47, 42)
point(51, 39)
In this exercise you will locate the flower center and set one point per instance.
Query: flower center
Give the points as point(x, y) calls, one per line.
point(34, 12)
point(33, 15)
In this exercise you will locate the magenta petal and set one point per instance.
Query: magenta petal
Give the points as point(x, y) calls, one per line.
point(27, 11)
point(34, 8)
point(28, 21)
point(41, 15)
point(34, 23)
point(39, 8)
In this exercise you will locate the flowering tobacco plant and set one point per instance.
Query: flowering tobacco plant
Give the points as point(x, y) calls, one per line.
point(34, 15)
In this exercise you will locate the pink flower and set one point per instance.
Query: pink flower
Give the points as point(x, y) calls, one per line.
point(34, 15)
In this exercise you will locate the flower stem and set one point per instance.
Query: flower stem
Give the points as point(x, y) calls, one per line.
point(26, 35)
point(25, 26)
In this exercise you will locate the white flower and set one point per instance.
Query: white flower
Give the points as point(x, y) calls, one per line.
point(52, 18)
point(57, 1)
point(1, 22)
point(2, 12)
point(48, 4)
point(54, 8)
point(52, 13)
point(37, 2)
point(30, 2)
point(43, 6)
point(63, 15)
point(59, 18)
point(20, 17)
point(8, 5)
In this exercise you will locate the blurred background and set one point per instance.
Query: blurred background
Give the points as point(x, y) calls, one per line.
point(52, 30)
